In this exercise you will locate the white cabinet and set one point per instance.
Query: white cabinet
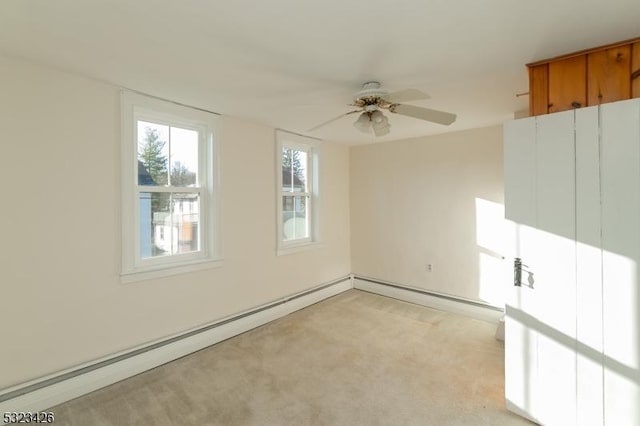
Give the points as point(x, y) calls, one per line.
point(572, 186)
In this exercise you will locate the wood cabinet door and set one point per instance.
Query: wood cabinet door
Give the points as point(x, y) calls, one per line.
point(635, 70)
point(608, 78)
point(568, 83)
point(539, 89)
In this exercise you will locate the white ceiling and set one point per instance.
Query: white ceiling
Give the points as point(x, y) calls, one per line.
point(292, 64)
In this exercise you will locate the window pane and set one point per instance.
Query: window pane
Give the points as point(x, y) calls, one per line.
point(294, 218)
point(154, 214)
point(300, 171)
point(153, 153)
point(185, 210)
point(184, 157)
point(287, 171)
point(294, 170)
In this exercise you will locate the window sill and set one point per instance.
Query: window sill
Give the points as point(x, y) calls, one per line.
point(169, 270)
point(291, 249)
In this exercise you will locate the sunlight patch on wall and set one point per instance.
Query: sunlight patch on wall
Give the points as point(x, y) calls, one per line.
point(494, 278)
point(494, 237)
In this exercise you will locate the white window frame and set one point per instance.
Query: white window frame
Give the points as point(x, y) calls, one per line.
point(137, 107)
point(312, 148)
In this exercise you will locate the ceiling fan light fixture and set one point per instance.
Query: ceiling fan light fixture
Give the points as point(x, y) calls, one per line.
point(363, 123)
point(377, 117)
point(382, 131)
point(381, 128)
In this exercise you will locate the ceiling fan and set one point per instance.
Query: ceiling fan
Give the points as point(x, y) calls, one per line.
point(371, 100)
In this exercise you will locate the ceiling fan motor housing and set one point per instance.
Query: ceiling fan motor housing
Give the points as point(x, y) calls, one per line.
point(370, 93)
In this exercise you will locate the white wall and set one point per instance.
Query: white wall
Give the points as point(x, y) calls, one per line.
point(432, 200)
point(62, 300)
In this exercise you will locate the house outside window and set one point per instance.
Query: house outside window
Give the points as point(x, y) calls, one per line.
point(296, 164)
point(169, 206)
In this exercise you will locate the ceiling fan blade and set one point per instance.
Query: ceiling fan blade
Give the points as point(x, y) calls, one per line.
point(406, 95)
point(332, 120)
point(421, 113)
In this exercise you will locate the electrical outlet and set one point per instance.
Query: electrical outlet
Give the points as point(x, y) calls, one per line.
point(429, 267)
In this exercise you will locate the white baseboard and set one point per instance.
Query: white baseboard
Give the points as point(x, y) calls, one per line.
point(445, 303)
point(72, 385)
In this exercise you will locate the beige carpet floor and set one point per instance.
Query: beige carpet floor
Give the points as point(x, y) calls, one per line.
point(354, 359)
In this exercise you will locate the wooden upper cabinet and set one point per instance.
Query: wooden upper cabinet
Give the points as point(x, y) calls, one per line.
point(539, 89)
point(590, 77)
point(568, 84)
point(609, 75)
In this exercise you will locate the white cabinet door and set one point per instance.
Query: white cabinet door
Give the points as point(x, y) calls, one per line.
point(588, 270)
point(554, 268)
point(540, 328)
point(521, 340)
point(620, 172)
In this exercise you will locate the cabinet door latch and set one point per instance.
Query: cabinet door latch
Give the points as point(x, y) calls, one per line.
point(517, 272)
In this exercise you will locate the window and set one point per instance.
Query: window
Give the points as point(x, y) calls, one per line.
point(169, 200)
point(296, 165)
